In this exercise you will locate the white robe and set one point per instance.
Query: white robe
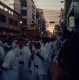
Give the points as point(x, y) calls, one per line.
point(49, 51)
point(14, 45)
point(25, 58)
point(41, 64)
point(11, 63)
point(54, 48)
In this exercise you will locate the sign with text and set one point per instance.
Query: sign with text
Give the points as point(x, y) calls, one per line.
point(71, 21)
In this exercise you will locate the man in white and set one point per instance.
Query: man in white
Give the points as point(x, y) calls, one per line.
point(48, 48)
point(32, 75)
point(23, 56)
point(14, 44)
point(40, 60)
point(10, 64)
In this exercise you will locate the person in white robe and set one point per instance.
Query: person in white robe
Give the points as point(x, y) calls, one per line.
point(40, 61)
point(48, 48)
point(14, 44)
point(32, 75)
point(23, 56)
point(10, 64)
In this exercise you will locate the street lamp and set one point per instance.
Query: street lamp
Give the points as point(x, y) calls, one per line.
point(21, 22)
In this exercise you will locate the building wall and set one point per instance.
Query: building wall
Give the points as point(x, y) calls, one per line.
point(71, 11)
point(17, 6)
point(6, 23)
point(8, 3)
point(9, 23)
point(30, 9)
point(31, 12)
point(41, 20)
point(67, 6)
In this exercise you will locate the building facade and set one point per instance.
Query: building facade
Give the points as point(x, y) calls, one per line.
point(40, 20)
point(61, 20)
point(72, 14)
point(27, 9)
point(9, 3)
point(9, 21)
point(31, 12)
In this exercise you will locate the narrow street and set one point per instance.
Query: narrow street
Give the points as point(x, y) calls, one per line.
point(39, 40)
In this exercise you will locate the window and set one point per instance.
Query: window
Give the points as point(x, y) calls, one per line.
point(11, 21)
point(33, 16)
point(2, 18)
point(15, 23)
point(33, 7)
point(24, 12)
point(24, 4)
point(24, 21)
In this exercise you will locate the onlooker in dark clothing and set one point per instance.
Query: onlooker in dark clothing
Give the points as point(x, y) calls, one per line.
point(68, 58)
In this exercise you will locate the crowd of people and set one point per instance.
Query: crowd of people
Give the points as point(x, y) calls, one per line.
point(40, 58)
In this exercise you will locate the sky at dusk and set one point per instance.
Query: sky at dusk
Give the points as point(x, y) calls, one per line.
point(50, 14)
point(44, 4)
point(49, 4)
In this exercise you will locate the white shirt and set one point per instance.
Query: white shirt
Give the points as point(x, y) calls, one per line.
point(14, 45)
point(11, 63)
point(40, 63)
point(49, 51)
point(25, 55)
point(21, 56)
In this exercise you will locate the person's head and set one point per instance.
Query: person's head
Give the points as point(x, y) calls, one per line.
point(7, 46)
point(30, 45)
point(37, 45)
point(32, 48)
point(20, 43)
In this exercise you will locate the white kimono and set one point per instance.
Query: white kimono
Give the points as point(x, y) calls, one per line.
point(23, 68)
point(11, 63)
point(14, 45)
point(41, 70)
point(49, 51)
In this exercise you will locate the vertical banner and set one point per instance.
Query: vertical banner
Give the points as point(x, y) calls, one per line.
point(71, 21)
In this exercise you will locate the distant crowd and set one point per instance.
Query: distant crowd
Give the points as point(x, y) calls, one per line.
point(39, 58)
